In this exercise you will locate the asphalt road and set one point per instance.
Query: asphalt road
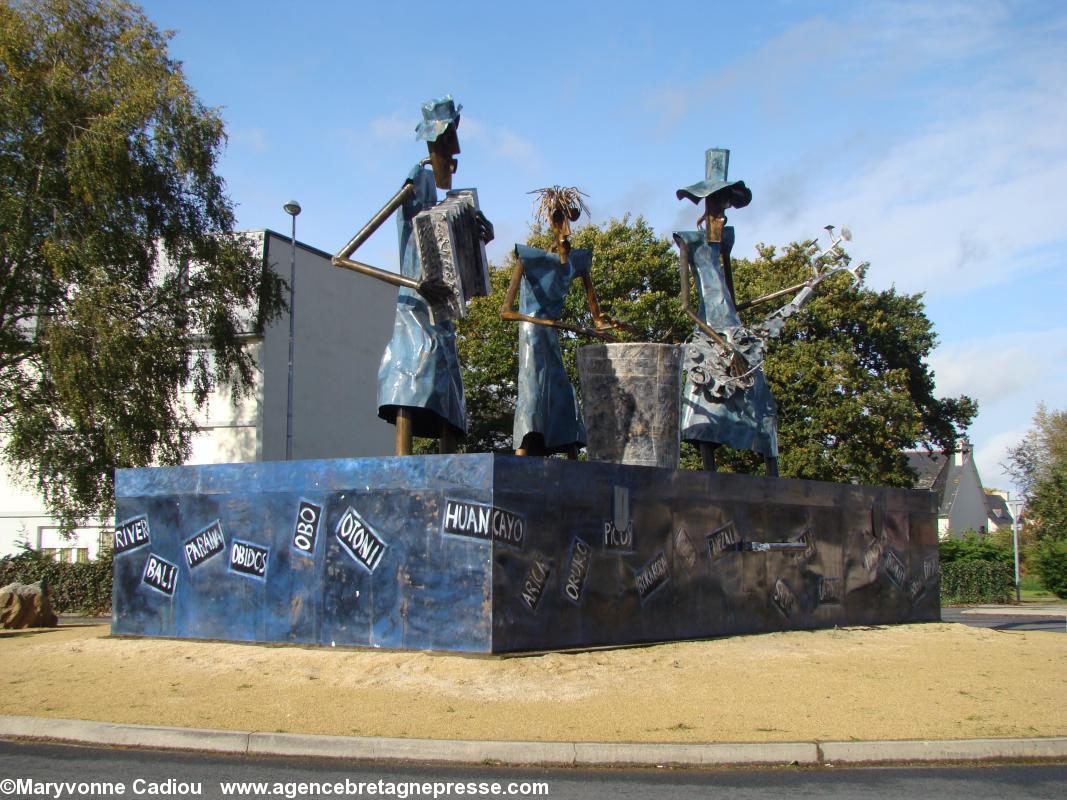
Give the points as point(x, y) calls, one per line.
point(1005, 622)
point(146, 773)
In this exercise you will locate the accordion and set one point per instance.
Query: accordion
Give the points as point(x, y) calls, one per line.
point(451, 252)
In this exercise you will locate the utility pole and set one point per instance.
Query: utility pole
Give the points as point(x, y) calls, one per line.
point(1016, 507)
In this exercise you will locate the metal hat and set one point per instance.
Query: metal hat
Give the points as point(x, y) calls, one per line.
point(716, 168)
point(437, 115)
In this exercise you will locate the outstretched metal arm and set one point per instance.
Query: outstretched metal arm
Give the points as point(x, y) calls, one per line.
point(343, 258)
point(508, 312)
point(774, 322)
point(816, 279)
point(601, 321)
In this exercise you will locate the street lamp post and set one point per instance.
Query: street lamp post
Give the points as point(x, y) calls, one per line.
point(1016, 507)
point(292, 208)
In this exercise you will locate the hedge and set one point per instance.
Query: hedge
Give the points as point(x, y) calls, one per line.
point(1049, 559)
point(974, 547)
point(977, 582)
point(76, 588)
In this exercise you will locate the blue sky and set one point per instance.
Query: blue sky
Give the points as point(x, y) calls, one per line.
point(937, 131)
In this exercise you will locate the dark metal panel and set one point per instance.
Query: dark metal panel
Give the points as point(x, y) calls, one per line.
point(663, 586)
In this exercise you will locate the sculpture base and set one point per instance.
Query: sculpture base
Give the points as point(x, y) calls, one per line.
point(497, 554)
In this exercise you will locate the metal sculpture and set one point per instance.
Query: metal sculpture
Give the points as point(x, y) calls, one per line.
point(726, 399)
point(547, 417)
point(442, 264)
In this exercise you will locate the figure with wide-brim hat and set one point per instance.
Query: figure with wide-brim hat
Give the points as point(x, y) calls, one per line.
point(420, 384)
point(725, 396)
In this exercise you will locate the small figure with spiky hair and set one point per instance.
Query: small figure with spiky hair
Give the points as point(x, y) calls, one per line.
point(547, 417)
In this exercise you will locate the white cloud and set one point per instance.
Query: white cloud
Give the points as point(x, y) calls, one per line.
point(994, 452)
point(1008, 374)
point(396, 128)
point(957, 205)
point(1000, 369)
point(969, 189)
point(502, 142)
point(780, 64)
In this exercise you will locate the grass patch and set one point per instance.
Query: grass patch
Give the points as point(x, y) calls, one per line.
point(1032, 591)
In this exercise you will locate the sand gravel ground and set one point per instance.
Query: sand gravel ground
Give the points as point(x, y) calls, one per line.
point(896, 682)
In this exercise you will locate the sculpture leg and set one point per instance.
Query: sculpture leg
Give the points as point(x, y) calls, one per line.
point(572, 452)
point(771, 465)
point(448, 440)
point(404, 419)
point(707, 455)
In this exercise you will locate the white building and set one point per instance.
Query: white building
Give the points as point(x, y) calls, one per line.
point(343, 322)
point(963, 504)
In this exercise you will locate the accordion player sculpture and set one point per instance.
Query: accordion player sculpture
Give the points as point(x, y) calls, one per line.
point(442, 265)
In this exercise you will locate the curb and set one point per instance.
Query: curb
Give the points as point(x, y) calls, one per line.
point(584, 754)
point(1014, 611)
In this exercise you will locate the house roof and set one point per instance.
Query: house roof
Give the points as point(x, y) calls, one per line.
point(928, 467)
point(997, 508)
point(937, 473)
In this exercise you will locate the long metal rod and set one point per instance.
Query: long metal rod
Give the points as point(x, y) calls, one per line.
point(771, 296)
point(514, 316)
point(374, 272)
point(292, 337)
point(406, 191)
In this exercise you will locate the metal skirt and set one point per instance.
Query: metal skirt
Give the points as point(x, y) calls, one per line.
point(420, 370)
point(748, 419)
point(546, 403)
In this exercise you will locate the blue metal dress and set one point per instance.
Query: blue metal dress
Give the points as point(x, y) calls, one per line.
point(420, 368)
point(748, 419)
point(546, 402)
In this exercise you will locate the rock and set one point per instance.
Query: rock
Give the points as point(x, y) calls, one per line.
point(26, 606)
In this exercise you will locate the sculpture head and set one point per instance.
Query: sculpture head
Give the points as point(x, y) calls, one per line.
point(715, 190)
point(440, 121)
point(559, 206)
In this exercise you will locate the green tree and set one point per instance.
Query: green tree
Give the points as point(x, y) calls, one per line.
point(121, 280)
point(974, 547)
point(1047, 509)
point(1049, 558)
point(1042, 451)
point(849, 373)
point(1038, 465)
point(850, 376)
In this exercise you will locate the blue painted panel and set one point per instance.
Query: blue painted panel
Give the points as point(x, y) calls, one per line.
point(412, 589)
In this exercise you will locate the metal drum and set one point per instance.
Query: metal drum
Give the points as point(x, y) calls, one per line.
point(631, 394)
